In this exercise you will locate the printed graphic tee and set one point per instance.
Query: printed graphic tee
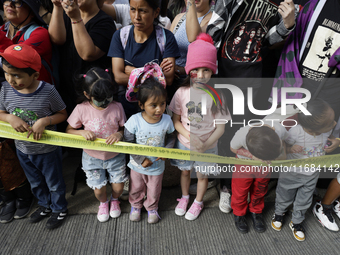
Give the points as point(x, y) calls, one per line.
point(323, 41)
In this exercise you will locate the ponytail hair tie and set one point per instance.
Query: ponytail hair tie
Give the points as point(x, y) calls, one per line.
point(107, 70)
point(84, 75)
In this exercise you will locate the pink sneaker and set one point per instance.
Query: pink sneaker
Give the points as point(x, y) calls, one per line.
point(181, 208)
point(115, 209)
point(103, 212)
point(194, 211)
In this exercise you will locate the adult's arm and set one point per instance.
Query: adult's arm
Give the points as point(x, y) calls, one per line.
point(288, 12)
point(83, 42)
point(171, 52)
point(110, 10)
point(193, 28)
point(118, 69)
point(56, 29)
point(169, 72)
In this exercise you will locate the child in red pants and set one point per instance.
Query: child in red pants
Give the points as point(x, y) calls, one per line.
point(256, 143)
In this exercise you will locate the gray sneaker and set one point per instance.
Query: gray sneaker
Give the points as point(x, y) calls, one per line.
point(153, 216)
point(135, 214)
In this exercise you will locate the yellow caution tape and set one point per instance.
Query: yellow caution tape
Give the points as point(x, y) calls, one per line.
point(76, 141)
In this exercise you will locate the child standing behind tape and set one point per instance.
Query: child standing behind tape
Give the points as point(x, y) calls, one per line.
point(32, 106)
point(195, 130)
point(256, 142)
point(306, 140)
point(149, 127)
point(103, 118)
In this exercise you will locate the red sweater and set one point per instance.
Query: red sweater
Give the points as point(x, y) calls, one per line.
point(39, 40)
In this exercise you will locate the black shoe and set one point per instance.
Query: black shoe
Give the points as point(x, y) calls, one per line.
point(23, 207)
point(39, 214)
point(258, 222)
point(241, 224)
point(56, 220)
point(7, 212)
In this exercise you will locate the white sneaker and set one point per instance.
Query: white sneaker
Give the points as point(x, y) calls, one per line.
point(336, 208)
point(125, 195)
point(325, 217)
point(224, 204)
point(193, 187)
point(298, 231)
point(277, 222)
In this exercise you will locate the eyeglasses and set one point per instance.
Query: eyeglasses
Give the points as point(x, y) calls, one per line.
point(17, 3)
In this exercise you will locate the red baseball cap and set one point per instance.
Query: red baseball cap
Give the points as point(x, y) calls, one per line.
point(22, 56)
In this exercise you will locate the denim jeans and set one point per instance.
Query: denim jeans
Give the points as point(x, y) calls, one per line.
point(44, 173)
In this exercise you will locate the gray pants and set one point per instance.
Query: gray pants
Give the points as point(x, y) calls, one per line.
point(295, 188)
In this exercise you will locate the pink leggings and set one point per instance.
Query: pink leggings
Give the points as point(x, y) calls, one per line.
point(141, 185)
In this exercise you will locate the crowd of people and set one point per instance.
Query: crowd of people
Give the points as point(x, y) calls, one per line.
point(139, 71)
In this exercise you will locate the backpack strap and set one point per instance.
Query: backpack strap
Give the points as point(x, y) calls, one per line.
point(124, 35)
point(160, 36)
point(29, 30)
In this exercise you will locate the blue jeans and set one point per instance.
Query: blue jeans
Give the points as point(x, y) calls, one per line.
point(96, 169)
point(44, 173)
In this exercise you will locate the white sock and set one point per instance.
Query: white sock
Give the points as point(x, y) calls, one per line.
point(186, 197)
point(101, 203)
point(112, 198)
point(199, 203)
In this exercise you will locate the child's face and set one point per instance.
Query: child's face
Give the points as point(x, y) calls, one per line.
point(153, 109)
point(20, 80)
point(329, 122)
point(200, 75)
point(100, 105)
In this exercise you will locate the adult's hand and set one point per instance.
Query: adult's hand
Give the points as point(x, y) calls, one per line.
point(57, 3)
point(287, 11)
point(71, 9)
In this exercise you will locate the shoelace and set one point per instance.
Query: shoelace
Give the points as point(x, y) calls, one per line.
point(225, 198)
point(195, 208)
point(298, 227)
point(135, 210)
point(225, 194)
point(102, 209)
point(278, 218)
point(182, 203)
point(328, 213)
point(115, 204)
point(154, 212)
point(54, 215)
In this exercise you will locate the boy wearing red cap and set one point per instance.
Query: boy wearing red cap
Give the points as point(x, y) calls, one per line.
point(31, 106)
